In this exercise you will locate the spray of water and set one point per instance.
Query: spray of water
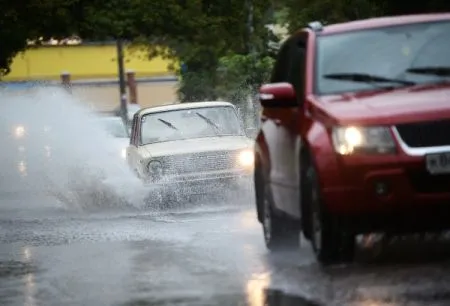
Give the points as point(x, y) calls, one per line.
point(54, 144)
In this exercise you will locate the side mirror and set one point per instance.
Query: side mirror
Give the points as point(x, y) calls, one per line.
point(279, 95)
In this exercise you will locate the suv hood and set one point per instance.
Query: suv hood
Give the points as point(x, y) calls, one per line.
point(419, 103)
point(198, 145)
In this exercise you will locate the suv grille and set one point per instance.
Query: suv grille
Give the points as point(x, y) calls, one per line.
point(200, 162)
point(425, 134)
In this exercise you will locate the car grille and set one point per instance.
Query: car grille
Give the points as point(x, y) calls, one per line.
point(200, 162)
point(425, 134)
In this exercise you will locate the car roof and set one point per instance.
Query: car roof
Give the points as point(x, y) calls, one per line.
point(179, 106)
point(383, 22)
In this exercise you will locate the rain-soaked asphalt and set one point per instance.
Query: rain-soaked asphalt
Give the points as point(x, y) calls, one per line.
point(76, 237)
point(200, 256)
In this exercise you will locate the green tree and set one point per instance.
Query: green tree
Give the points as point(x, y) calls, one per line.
point(297, 13)
point(90, 19)
point(31, 19)
point(418, 7)
point(214, 29)
point(301, 12)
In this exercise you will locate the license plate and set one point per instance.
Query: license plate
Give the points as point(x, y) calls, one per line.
point(438, 163)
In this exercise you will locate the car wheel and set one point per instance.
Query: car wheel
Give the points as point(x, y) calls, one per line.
point(280, 233)
point(331, 242)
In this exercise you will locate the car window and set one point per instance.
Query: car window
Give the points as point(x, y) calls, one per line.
point(387, 52)
point(190, 123)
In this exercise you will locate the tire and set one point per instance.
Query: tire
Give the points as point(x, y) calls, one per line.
point(280, 233)
point(330, 240)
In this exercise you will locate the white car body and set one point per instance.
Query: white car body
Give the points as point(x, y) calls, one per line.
point(190, 160)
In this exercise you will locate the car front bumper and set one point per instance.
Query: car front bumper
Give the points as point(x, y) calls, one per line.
point(204, 183)
point(384, 188)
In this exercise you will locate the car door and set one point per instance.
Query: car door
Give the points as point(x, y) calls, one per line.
point(279, 127)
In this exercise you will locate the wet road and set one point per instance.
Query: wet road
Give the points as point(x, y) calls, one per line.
point(73, 232)
point(205, 255)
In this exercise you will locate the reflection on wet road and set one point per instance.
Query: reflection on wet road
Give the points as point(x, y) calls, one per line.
point(204, 256)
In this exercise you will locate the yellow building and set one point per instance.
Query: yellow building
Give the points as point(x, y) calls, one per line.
point(85, 61)
point(93, 69)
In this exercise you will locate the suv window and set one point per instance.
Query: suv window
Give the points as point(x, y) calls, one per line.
point(387, 52)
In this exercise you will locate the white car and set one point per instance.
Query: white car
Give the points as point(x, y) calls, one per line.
point(191, 148)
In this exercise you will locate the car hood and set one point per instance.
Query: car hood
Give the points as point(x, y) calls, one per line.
point(388, 107)
point(223, 143)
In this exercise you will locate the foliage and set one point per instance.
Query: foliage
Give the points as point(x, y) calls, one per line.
point(300, 12)
point(90, 19)
point(29, 19)
point(240, 75)
point(418, 7)
point(217, 29)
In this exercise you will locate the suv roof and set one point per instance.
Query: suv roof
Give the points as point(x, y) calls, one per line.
point(383, 22)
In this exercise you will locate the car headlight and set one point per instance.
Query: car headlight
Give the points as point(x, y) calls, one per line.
point(155, 169)
point(370, 140)
point(19, 131)
point(123, 153)
point(246, 158)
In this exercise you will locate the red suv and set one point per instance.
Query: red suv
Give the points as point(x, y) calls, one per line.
point(355, 134)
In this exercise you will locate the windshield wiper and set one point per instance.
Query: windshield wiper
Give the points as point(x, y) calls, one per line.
point(431, 70)
point(366, 78)
point(168, 124)
point(210, 122)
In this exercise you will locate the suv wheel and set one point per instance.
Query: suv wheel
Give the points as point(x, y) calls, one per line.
point(279, 232)
point(331, 242)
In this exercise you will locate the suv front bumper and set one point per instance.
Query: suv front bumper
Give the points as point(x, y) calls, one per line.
point(385, 186)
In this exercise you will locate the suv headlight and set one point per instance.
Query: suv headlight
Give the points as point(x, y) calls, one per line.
point(369, 140)
point(155, 169)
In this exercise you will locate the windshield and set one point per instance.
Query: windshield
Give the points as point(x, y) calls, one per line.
point(383, 57)
point(190, 123)
point(115, 128)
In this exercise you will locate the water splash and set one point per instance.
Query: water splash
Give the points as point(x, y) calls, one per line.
point(58, 147)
